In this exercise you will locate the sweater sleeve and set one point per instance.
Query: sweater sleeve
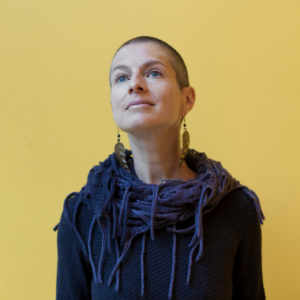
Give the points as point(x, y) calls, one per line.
point(73, 281)
point(247, 275)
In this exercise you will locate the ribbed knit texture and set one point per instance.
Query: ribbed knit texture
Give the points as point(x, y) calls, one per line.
point(229, 268)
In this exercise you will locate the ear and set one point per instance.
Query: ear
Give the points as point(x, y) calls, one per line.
point(189, 97)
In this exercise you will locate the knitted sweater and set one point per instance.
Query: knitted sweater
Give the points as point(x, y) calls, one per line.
point(230, 266)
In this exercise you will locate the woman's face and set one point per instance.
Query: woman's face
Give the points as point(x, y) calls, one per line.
point(143, 72)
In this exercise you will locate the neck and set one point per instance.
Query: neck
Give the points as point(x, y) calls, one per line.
point(156, 156)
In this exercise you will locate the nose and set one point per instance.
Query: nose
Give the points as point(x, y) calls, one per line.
point(137, 85)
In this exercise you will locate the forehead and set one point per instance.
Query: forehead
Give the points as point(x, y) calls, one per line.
point(134, 55)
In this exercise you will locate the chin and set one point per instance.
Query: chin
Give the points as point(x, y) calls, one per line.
point(138, 125)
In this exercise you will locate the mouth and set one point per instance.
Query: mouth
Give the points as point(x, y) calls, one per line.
point(140, 103)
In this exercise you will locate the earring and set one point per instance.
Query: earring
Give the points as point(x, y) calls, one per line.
point(185, 143)
point(120, 153)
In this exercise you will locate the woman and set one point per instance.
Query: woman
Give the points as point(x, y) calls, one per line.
point(158, 221)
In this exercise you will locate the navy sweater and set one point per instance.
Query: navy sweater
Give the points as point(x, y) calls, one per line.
point(230, 266)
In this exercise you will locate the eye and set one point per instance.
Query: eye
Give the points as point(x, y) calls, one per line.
point(121, 78)
point(155, 74)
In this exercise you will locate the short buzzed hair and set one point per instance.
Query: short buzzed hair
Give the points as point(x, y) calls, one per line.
point(176, 60)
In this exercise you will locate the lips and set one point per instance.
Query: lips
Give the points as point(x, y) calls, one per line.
point(139, 102)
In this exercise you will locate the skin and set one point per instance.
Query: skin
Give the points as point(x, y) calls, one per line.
point(143, 71)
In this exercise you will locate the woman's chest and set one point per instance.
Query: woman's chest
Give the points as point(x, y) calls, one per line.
point(210, 277)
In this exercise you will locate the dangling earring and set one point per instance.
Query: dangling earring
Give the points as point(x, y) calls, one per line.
point(120, 153)
point(185, 143)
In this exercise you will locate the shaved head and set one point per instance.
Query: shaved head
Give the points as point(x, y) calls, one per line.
point(176, 60)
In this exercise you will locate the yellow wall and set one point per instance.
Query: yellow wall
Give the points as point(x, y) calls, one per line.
point(56, 121)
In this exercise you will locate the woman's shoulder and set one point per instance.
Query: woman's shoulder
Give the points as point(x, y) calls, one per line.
point(245, 202)
point(238, 209)
point(241, 200)
point(74, 210)
point(72, 201)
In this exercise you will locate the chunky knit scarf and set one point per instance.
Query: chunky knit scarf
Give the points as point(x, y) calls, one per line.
point(124, 207)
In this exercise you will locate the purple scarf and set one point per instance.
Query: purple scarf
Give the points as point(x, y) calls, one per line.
point(118, 199)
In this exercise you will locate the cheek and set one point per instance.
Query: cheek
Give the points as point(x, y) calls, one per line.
point(115, 100)
point(117, 105)
point(169, 98)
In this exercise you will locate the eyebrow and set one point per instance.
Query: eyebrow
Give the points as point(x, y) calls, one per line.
point(147, 64)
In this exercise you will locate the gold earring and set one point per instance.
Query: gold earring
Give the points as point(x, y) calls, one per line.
point(185, 143)
point(120, 153)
